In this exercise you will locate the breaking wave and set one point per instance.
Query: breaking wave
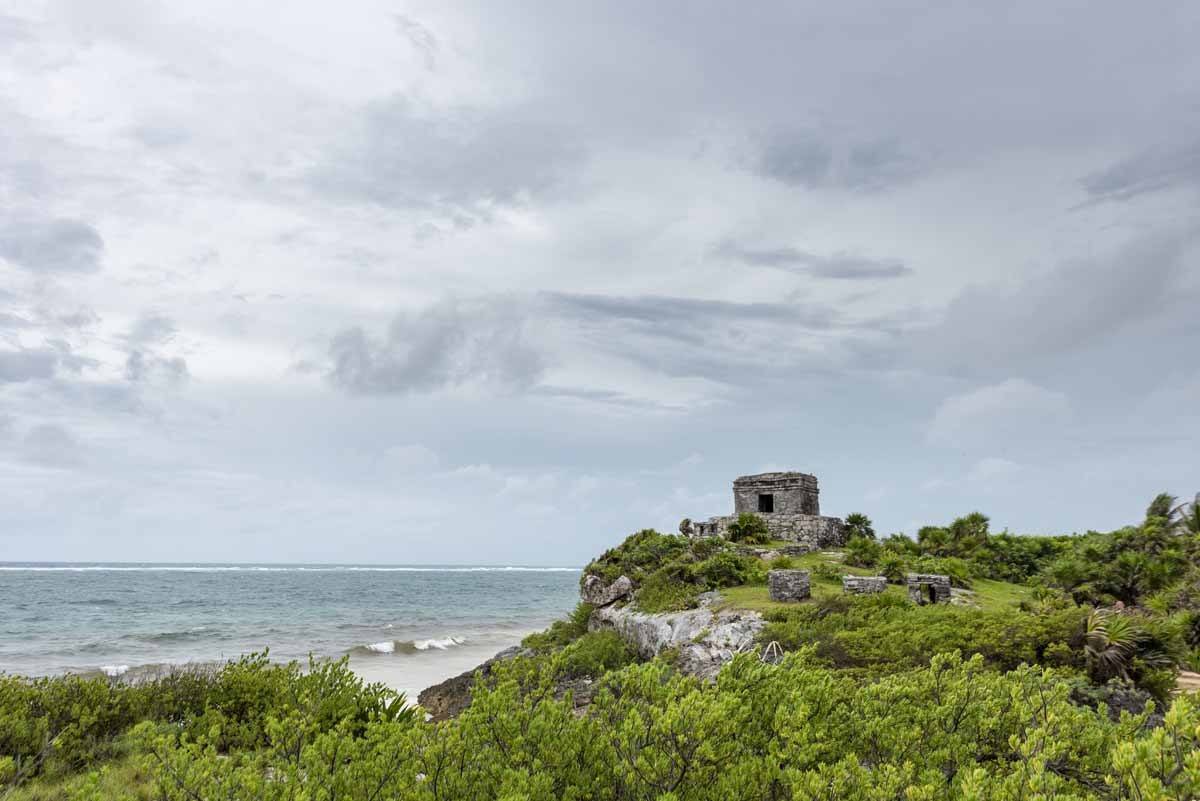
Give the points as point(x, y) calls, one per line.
point(389, 647)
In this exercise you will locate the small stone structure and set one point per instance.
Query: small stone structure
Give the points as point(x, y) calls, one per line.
point(928, 588)
point(789, 585)
point(864, 585)
point(787, 502)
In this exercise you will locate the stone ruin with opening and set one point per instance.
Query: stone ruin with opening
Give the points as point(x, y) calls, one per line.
point(928, 588)
point(787, 502)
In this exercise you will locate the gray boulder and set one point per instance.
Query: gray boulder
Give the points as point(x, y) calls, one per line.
point(788, 585)
point(596, 593)
point(705, 640)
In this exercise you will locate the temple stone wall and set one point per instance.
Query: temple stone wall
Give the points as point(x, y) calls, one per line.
point(810, 530)
point(791, 493)
point(789, 505)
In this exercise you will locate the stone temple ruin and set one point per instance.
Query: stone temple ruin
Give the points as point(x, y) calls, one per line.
point(928, 588)
point(787, 502)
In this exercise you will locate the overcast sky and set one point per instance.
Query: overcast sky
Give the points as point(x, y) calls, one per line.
point(390, 281)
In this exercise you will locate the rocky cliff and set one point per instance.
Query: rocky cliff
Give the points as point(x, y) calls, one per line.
point(705, 639)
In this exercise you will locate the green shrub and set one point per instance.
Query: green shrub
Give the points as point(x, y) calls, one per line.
point(594, 654)
point(708, 546)
point(662, 593)
point(960, 571)
point(750, 529)
point(892, 566)
point(782, 563)
point(900, 544)
point(886, 632)
point(862, 552)
point(561, 632)
point(823, 571)
point(638, 556)
point(795, 730)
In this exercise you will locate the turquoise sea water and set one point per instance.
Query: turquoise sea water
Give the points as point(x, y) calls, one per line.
point(408, 626)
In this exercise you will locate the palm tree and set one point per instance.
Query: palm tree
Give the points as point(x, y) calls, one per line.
point(858, 524)
point(1187, 515)
point(1161, 506)
point(1110, 645)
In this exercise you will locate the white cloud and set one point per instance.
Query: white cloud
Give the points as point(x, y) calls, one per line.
point(992, 469)
point(1012, 410)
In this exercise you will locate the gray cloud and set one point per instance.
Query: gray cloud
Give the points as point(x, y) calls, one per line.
point(1070, 308)
point(798, 158)
point(13, 321)
point(1150, 171)
point(52, 246)
point(152, 329)
point(143, 366)
point(812, 161)
point(420, 37)
point(742, 345)
point(844, 266)
point(144, 362)
point(51, 445)
point(83, 317)
point(457, 162)
point(27, 365)
point(665, 311)
point(449, 344)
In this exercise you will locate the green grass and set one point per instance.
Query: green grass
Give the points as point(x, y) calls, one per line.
point(991, 594)
point(988, 594)
point(123, 779)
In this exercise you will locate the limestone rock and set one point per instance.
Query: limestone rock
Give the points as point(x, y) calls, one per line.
point(788, 585)
point(449, 698)
point(595, 593)
point(706, 640)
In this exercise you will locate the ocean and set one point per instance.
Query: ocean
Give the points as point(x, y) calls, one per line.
point(407, 626)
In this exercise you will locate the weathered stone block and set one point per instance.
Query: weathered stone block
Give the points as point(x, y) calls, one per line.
point(864, 585)
point(595, 593)
point(789, 585)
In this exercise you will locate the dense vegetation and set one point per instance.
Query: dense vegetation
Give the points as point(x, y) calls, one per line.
point(1015, 693)
point(794, 730)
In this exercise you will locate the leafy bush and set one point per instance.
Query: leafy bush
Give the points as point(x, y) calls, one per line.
point(1007, 557)
point(823, 571)
point(862, 552)
point(782, 563)
point(892, 566)
point(63, 723)
point(960, 571)
point(886, 632)
point(900, 544)
point(750, 529)
point(561, 632)
point(594, 654)
point(663, 593)
point(671, 571)
point(638, 556)
point(954, 730)
point(707, 546)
